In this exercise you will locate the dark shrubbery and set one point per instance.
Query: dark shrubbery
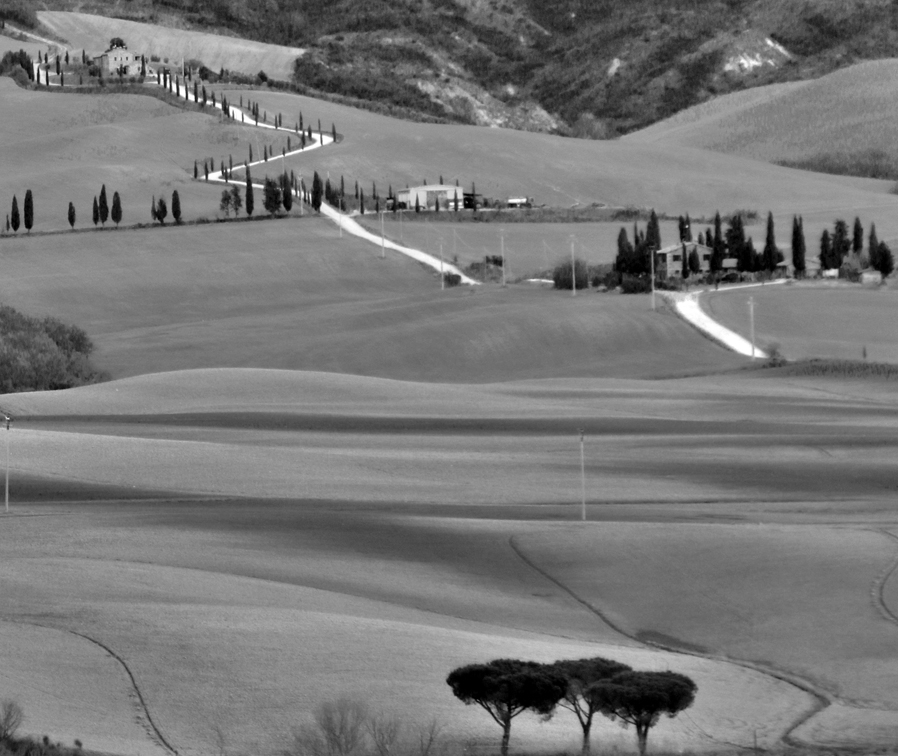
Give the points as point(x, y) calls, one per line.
point(42, 354)
point(15, 64)
point(871, 163)
point(451, 279)
point(364, 85)
point(635, 285)
point(19, 12)
point(561, 275)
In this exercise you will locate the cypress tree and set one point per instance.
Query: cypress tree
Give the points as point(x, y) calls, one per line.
point(104, 207)
point(152, 209)
point(873, 245)
point(885, 261)
point(653, 233)
point(857, 242)
point(249, 202)
point(317, 191)
point(71, 215)
point(681, 227)
point(695, 263)
point(14, 214)
point(623, 263)
point(29, 207)
point(688, 228)
point(301, 127)
point(684, 270)
point(840, 243)
point(116, 209)
point(771, 254)
point(361, 202)
point(96, 215)
point(195, 170)
point(334, 132)
point(825, 250)
point(161, 210)
point(204, 95)
point(717, 247)
point(798, 247)
point(286, 192)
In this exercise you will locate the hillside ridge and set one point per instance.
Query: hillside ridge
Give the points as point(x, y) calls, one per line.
point(588, 69)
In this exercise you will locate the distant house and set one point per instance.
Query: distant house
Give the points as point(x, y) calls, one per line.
point(669, 260)
point(428, 195)
point(513, 202)
point(118, 60)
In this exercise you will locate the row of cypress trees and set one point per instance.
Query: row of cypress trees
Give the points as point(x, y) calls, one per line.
point(14, 220)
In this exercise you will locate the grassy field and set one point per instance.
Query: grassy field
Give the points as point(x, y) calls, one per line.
point(815, 320)
point(65, 146)
point(531, 249)
point(388, 533)
point(320, 474)
point(847, 112)
point(84, 31)
point(292, 294)
point(562, 172)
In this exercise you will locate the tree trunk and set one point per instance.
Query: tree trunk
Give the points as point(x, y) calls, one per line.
point(506, 735)
point(642, 734)
point(586, 728)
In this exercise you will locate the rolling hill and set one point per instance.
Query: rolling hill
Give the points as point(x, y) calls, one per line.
point(291, 294)
point(845, 117)
point(590, 68)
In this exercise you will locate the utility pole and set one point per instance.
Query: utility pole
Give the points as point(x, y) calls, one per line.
point(582, 480)
point(6, 498)
point(751, 320)
point(652, 263)
point(573, 270)
point(442, 274)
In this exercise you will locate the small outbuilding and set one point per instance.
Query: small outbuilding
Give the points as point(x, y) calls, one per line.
point(427, 196)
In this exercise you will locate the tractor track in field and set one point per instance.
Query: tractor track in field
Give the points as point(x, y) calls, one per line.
point(141, 705)
point(877, 590)
point(821, 698)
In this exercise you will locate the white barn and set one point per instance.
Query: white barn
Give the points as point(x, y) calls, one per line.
point(428, 195)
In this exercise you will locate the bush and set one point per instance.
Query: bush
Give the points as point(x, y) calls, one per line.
point(11, 718)
point(41, 355)
point(347, 726)
point(604, 275)
point(562, 278)
point(451, 279)
point(635, 285)
point(18, 12)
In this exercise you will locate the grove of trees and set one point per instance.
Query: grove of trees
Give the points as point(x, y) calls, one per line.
point(506, 688)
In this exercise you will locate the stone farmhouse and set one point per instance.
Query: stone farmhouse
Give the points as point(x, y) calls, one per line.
point(118, 60)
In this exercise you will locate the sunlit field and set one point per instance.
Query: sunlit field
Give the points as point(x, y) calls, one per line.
point(316, 472)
